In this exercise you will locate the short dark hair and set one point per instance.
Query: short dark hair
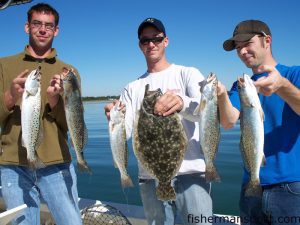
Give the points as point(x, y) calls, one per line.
point(43, 8)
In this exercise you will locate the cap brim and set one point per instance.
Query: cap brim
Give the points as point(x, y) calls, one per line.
point(229, 44)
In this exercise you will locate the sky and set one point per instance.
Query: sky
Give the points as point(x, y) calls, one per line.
point(99, 37)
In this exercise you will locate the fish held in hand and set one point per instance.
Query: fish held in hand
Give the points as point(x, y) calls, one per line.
point(31, 118)
point(75, 116)
point(252, 133)
point(160, 144)
point(118, 143)
point(209, 125)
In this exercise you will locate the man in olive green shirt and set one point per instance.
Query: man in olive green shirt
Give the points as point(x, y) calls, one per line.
point(56, 181)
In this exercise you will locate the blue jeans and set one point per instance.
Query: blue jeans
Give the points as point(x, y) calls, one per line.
point(56, 184)
point(280, 204)
point(193, 201)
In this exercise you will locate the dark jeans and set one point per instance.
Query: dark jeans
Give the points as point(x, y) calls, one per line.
point(279, 204)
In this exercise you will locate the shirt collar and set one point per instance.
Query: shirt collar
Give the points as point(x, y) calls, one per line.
point(51, 58)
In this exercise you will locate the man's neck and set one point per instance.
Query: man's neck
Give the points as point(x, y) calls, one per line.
point(158, 66)
point(269, 61)
point(39, 53)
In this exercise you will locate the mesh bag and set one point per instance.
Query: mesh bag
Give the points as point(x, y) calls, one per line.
point(103, 214)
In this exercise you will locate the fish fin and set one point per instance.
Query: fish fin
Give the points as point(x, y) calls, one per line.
point(126, 181)
point(115, 164)
point(200, 107)
point(202, 104)
point(253, 188)
point(71, 142)
point(111, 126)
point(211, 174)
point(23, 143)
point(197, 111)
point(263, 161)
point(147, 86)
point(27, 94)
point(165, 192)
point(262, 114)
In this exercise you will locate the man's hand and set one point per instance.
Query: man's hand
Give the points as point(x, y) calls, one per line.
point(270, 84)
point(221, 90)
point(168, 103)
point(274, 82)
point(54, 89)
point(109, 106)
point(16, 90)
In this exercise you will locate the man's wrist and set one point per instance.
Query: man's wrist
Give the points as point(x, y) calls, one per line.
point(284, 85)
point(53, 100)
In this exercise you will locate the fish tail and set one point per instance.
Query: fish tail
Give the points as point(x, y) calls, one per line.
point(36, 162)
point(211, 174)
point(126, 181)
point(82, 164)
point(253, 188)
point(165, 192)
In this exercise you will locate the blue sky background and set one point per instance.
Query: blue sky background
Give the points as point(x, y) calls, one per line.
point(99, 37)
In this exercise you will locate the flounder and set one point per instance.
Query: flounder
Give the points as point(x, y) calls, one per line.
point(160, 143)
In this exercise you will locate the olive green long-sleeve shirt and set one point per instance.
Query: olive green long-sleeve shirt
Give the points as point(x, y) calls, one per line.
point(54, 146)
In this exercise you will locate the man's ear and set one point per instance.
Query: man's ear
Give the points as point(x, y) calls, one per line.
point(268, 39)
point(56, 31)
point(166, 42)
point(27, 27)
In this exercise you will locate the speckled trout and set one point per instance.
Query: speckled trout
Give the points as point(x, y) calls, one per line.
point(31, 118)
point(252, 133)
point(118, 143)
point(74, 116)
point(209, 125)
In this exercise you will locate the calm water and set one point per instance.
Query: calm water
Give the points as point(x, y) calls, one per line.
point(104, 182)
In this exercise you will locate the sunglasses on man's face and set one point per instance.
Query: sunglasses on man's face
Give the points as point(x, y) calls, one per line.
point(154, 40)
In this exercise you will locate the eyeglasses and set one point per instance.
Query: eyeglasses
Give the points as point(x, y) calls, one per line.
point(154, 40)
point(38, 24)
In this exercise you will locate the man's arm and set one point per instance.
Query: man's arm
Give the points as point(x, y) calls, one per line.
point(54, 89)
point(16, 90)
point(12, 95)
point(290, 94)
point(228, 114)
point(109, 106)
point(184, 103)
point(55, 106)
point(275, 83)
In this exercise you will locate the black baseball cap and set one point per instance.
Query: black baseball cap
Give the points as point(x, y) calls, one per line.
point(152, 22)
point(246, 30)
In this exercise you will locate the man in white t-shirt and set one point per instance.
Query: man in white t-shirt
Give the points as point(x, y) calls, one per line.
point(180, 86)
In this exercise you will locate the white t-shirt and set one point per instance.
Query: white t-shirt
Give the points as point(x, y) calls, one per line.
point(185, 82)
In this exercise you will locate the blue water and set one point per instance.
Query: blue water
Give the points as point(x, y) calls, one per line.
point(104, 182)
